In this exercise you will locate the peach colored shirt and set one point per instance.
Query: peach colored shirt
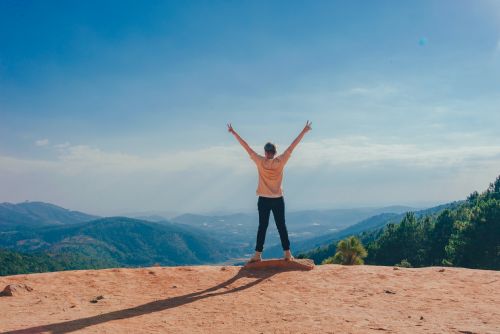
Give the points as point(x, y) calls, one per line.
point(270, 173)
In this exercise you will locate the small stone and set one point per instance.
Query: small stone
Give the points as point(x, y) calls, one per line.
point(421, 318)
point(395, 268)
point(96, 299)
point(441, 270)
point(390, 292)
point(15, 289)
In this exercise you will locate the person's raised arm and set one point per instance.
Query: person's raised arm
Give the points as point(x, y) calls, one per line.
point(297, 140)
point(242, 142)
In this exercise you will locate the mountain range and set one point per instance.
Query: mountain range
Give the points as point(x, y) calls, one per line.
point(372, 223)
point(367, 230)
point(44, 229)
point(239, 230)
point(36, 214)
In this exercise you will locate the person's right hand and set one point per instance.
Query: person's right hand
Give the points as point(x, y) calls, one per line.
point(230, 128)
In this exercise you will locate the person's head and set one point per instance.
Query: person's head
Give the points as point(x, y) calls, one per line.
point(270, 150)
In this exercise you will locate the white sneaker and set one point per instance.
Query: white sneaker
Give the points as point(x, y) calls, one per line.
point(256, 258)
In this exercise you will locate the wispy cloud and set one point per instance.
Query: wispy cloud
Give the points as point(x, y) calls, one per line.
point(375, 91)
point(363, 150)
point(75, 159)
point(62, 146)
point(223, 177)
point(80, 158)
point(42, 142)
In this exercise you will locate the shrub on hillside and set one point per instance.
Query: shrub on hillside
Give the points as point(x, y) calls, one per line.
point(349, 251)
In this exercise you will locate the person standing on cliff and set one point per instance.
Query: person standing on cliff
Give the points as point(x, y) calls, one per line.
point(270, 191)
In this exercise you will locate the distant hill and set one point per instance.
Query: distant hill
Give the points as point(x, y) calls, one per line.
point(239, 230)
point(35, 214)
point(13, 263)
point(122, 241)
point(364, 225)
point(372, 223)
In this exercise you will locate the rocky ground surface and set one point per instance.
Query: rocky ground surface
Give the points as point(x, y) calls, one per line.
point(233, 299)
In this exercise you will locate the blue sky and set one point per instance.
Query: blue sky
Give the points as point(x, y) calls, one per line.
point(122, 106)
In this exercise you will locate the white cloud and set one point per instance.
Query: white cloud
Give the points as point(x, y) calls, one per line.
point(62, 145)
point(376, 91)
point(42, 142)
point(363, 150)
point(75, 159)
point(25, 166)
point(79, 158)
point(221, 177)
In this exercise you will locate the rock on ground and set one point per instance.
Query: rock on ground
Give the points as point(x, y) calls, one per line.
point(15, 289)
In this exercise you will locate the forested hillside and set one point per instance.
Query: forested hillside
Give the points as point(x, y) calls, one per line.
point(13, 263)
point(114, 241)
point(465, 236)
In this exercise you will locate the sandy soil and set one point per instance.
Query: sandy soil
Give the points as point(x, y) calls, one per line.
point(218, 299)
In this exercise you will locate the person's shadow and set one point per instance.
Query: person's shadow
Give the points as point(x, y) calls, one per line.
point(159, 305)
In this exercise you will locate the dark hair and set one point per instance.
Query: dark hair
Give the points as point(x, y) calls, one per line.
point(270, 147)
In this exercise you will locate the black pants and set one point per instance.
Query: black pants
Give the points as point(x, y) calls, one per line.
point(277, 206)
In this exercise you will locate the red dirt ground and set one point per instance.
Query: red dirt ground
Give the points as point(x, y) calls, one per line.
point(230, 299)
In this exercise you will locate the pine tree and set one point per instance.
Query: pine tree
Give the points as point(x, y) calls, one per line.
point(349, 251)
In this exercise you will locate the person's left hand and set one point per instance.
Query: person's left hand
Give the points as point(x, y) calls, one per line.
point(307, 127)
point(230, 128)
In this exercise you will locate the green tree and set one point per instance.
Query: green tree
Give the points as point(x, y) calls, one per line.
point(406, 240)
point(462, 235)
point(481, 245)
point(440, 236)
point(349, 251)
